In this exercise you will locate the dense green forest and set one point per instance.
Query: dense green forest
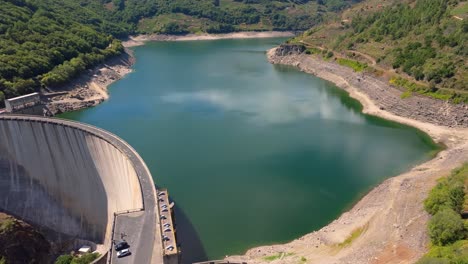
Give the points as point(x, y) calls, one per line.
point(425, 41)
point(48, 42)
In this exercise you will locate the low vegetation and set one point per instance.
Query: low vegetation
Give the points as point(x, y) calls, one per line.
point(355, 65)
point(277, 256)
point(7, 225)
point(447, 230)
point(353, 236)
point(84, 259)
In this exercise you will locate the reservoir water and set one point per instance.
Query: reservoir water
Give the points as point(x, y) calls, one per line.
point(252, 153)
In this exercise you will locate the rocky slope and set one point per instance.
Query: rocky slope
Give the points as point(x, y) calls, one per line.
point(20, 243)
point(385, 96)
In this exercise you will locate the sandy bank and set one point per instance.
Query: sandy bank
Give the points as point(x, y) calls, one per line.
point(141, 39)
point(90, 88)
point(392, 214)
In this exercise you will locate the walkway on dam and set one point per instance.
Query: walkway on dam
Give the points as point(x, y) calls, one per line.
point(141, 227)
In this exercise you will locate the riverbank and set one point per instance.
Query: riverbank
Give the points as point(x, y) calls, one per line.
point(142, 39)
point(388, 225)
point(90, 88)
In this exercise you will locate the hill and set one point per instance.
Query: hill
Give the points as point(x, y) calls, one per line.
point(420, 45)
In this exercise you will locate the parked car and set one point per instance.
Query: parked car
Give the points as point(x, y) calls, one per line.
point(121, 245)
point(124, 252)
point(170, 248)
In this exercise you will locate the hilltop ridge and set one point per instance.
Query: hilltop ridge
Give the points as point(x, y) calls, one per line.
point(419, 45)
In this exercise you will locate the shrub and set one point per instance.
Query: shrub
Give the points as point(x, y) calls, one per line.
point(446, 227)
point(64, 259)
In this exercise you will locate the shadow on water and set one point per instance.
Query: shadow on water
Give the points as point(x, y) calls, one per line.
point(187, 237)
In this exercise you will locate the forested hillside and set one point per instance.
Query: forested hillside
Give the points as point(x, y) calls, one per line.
point(48, 42)
point(425, 41)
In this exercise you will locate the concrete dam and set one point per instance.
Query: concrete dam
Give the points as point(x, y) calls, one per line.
point(81, 182)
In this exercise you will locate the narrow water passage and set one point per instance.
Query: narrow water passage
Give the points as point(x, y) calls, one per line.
point(251, 152)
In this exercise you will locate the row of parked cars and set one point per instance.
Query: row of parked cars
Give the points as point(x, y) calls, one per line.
point(164, 209)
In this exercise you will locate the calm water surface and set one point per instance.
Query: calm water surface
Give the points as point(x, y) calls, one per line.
point(252, 153)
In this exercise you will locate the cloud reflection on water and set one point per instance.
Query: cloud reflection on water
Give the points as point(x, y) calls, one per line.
point(274, 106)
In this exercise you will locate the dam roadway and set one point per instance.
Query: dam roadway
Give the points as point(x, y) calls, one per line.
point(109, 192)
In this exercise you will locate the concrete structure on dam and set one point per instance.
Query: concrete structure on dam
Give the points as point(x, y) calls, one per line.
point(81, 182)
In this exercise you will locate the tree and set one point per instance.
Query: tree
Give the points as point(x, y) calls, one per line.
point(448, 193)
point(446, 227)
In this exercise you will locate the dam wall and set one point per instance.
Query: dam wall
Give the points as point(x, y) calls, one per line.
point(66, 176)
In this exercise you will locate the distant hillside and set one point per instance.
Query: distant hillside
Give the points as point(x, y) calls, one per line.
point(220, 16)
point(48, 42)
point(423, 41)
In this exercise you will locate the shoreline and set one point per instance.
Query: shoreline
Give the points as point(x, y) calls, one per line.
point(139, 40)
point(91, 88)
point(391, 216)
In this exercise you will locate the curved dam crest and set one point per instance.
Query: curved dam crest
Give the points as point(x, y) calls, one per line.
point(72, 178)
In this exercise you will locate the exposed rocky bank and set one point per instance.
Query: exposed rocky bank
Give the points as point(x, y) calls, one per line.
point(90, 88)
point(384, 95)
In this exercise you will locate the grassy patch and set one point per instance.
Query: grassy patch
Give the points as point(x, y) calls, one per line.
point(355, 65)
point(313, 51)
point(406, 94)
point(441, 94)
point(277, 256)
point(355, 234)
point(460, 10)
point(303, 260)
point(7, 225)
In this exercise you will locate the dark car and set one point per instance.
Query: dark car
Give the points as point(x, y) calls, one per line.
point(121, 245)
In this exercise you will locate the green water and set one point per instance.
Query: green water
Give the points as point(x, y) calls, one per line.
point(251, 153)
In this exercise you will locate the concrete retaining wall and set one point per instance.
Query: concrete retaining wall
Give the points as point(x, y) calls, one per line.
point(62, 176)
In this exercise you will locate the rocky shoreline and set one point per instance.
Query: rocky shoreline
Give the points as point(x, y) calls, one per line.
point(384, 95)
point(90, 88)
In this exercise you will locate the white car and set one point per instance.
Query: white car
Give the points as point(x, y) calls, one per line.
point(170, 248)
point(124, 252)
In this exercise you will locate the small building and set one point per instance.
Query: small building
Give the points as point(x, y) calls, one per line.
point(84, 250)
point(26, 104)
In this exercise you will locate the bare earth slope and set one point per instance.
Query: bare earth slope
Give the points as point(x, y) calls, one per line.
point(391, 215)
